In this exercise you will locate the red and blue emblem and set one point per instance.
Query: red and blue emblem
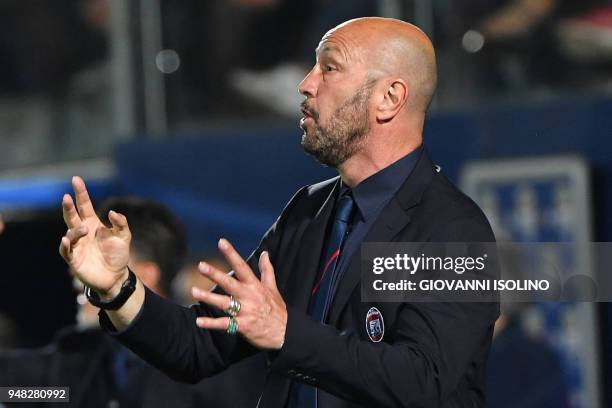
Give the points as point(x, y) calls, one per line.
point(375, 325)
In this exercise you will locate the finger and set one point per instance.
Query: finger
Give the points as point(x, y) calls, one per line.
point(71, 216)
point(212, 323)
point(83, 202)
point(268, 279)
point(120, 224)
point(229, 284)
point(65, 249)
point(221, 302)
point(241, 268)
point(75, 234)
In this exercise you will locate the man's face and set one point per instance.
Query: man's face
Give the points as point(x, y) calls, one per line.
point(336, 109)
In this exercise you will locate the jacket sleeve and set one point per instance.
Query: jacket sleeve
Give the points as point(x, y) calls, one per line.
point(165, 334)
point(431, 348)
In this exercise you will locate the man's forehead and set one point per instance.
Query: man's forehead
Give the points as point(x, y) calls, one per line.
point(348, 40)
point(337, 43)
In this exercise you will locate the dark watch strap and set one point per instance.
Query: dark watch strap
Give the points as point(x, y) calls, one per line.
point(128, 287)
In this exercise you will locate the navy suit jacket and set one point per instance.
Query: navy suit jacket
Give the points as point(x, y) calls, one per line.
point(432, 354)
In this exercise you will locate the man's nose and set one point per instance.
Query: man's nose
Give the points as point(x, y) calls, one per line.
point(308, 86)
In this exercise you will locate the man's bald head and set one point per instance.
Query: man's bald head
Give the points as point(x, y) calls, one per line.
point(391, 48)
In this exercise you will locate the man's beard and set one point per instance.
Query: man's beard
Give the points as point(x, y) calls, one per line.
point(343, 136)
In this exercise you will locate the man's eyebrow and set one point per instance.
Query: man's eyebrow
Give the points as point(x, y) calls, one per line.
point(327, 48)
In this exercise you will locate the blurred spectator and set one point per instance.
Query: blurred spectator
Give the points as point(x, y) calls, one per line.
point(251, 54)
point(99, 371)
point(44, 46)
point(506, 46)
point(86, 107)
point(587, 38)
point(208, 39)
point(275, 86)
point(523, 370)
point(190, 276)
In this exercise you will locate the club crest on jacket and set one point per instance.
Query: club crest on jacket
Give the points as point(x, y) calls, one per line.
point(375, 325)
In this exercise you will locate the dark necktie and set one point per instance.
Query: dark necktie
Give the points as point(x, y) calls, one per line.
point(302, 395)
point(321, 295)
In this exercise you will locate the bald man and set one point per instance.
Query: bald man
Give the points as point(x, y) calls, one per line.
point(297, 297)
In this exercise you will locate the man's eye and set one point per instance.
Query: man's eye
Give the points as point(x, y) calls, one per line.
point(329, 68)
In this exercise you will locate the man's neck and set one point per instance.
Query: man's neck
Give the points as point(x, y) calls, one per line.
point(373, 159)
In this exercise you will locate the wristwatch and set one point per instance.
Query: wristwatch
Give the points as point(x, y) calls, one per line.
point(128, 287)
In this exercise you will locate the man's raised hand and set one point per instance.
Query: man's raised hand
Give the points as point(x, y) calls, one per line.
point(98, 255)
point(262, 318)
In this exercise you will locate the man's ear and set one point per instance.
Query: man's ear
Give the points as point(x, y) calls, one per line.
point(150, 275)
point(393, 100)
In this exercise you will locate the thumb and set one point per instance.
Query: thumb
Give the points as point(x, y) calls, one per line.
point(268, 279)
point(120, 224)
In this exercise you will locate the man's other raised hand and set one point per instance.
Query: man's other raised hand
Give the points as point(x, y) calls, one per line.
point(98, 255)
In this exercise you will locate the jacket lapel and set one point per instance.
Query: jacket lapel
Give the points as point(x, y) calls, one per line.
point(308, 258)
point(298, 288)
point(393, 218)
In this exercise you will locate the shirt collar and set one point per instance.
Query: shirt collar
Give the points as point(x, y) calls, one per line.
point(375, 191)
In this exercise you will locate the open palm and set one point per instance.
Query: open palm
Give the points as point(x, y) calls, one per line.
point(97, 254)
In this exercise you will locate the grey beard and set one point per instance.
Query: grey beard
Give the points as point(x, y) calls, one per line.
point(345, 133)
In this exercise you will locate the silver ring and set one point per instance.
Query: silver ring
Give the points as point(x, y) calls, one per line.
point(234, 307)
point(232, 327)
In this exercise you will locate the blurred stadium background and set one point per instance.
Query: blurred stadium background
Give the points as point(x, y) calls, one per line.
point(195, 104)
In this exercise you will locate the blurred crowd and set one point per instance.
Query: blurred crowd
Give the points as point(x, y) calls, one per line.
point(225, 60)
